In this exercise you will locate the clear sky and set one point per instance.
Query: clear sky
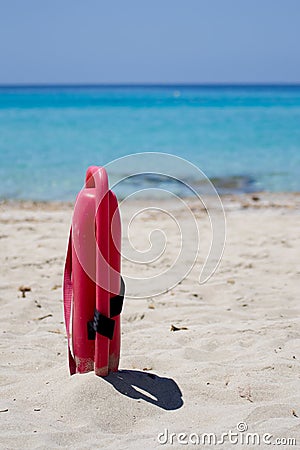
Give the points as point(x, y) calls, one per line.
point(111, 41)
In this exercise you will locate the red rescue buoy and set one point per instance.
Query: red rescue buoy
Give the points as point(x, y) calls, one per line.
point(93, 287)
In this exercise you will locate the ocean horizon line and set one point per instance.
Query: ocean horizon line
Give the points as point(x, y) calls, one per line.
point(152, 85)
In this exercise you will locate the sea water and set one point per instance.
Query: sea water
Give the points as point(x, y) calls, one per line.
point(245, 138)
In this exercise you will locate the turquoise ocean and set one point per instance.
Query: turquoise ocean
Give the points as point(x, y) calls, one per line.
point(245, 138)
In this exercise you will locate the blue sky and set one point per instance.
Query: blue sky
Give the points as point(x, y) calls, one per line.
point(115, 41)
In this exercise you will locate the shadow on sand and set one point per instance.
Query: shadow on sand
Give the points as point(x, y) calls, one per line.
point(162, 392)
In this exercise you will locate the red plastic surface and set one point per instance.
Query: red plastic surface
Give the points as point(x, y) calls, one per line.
point(96, 241)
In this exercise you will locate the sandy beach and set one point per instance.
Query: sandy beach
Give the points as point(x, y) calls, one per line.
point(233, 355)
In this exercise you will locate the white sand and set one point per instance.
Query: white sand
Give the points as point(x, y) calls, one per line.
point(237, 361)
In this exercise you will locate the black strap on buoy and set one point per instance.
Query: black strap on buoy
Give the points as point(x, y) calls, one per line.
point(106, 325)
point(102, 325)
point(116, 303)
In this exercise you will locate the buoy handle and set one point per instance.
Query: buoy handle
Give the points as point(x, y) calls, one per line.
point(96, 177)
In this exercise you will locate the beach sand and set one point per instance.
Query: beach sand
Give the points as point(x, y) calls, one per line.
point(236, 358)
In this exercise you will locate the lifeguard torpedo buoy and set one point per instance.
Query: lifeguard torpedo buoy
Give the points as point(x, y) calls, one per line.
point(93, 287)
